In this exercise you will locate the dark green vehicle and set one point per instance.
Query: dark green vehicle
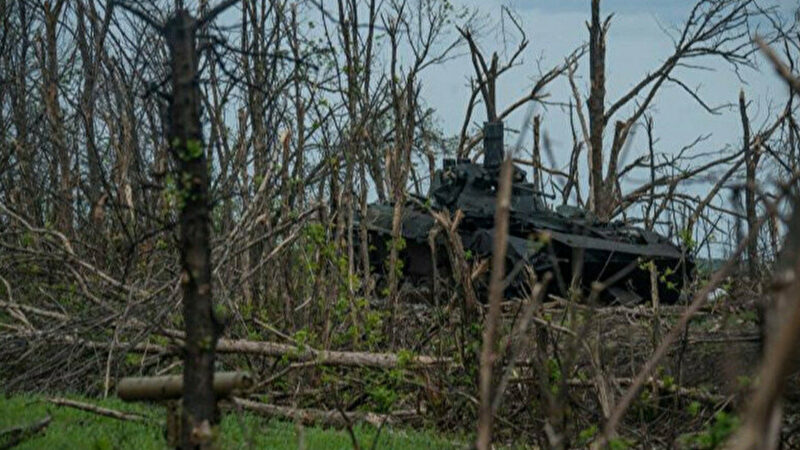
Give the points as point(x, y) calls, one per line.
point(567, 242)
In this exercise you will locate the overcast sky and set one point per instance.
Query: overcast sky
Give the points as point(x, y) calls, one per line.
point(636, 44)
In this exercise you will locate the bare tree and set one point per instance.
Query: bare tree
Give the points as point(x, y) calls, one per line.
point(714, 29)
point(134, 176)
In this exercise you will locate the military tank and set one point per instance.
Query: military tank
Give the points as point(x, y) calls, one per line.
point(568, 241)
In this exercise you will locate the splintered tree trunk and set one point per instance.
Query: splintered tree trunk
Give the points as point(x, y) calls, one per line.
point(597, 95)
point(537, 155)
point(750, 161)
point(186, 140)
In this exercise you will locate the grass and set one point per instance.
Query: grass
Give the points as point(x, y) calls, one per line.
point(74, 429)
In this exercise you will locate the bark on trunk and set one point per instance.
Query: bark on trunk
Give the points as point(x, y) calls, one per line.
point(30, 197)
point(90, 61)
point(750, 161)
point(185, 137)
point(537, 155)
point(57, 138)
point(597, 74)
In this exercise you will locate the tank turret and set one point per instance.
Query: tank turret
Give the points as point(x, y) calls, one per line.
point(568, 240)
point(472, 188)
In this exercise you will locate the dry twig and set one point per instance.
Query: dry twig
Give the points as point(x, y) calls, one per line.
point(106, 412)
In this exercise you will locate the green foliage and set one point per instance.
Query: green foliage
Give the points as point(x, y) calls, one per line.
point(687, 239)
point(664, 278)
point(301, 338)
point(619, 443)
point(27, 239)
point(133, 359)
point(694, 408)
point(194, 148)
point(400, 243)
point(668, 381)
point(586, 435)
point(257, 180)
point(404, 358)
point(715, 434)
point(162, 244)
point(383, 398)
point(321, 256)
point(554, 375)
point(221, 312)
point(175, 194)
point(373, 327)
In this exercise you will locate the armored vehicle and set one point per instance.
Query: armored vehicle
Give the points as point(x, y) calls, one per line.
point(568, 242)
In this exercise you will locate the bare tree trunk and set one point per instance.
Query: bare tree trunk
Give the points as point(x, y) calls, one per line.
point(185, 136)
point(90, 51)
point(298, 192)
point(750, 161)
point(489, 350)
point(650, 220)
point(403, 105)
point(63, 203)
point(597, 74)
point(656, 304)
point(254, 68)
point(761, 425)
point(30, 199)
point(537, 155)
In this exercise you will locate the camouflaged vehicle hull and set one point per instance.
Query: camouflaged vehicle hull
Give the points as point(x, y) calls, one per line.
point(568, 242)
point(613, 254)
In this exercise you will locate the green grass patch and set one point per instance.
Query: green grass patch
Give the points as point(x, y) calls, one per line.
point(74, 429)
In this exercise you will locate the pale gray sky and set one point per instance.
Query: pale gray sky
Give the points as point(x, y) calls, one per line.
point(636, 44)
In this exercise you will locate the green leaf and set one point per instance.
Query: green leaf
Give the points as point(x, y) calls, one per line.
point(194, 148)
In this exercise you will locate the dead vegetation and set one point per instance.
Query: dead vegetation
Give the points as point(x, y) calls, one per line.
point(180, 188)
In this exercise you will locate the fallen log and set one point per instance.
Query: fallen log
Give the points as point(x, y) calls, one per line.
point(106, 412)
point(265, 348)
point(322, 357)
point(170, 387)
point(311, 416)
point(327, 357)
